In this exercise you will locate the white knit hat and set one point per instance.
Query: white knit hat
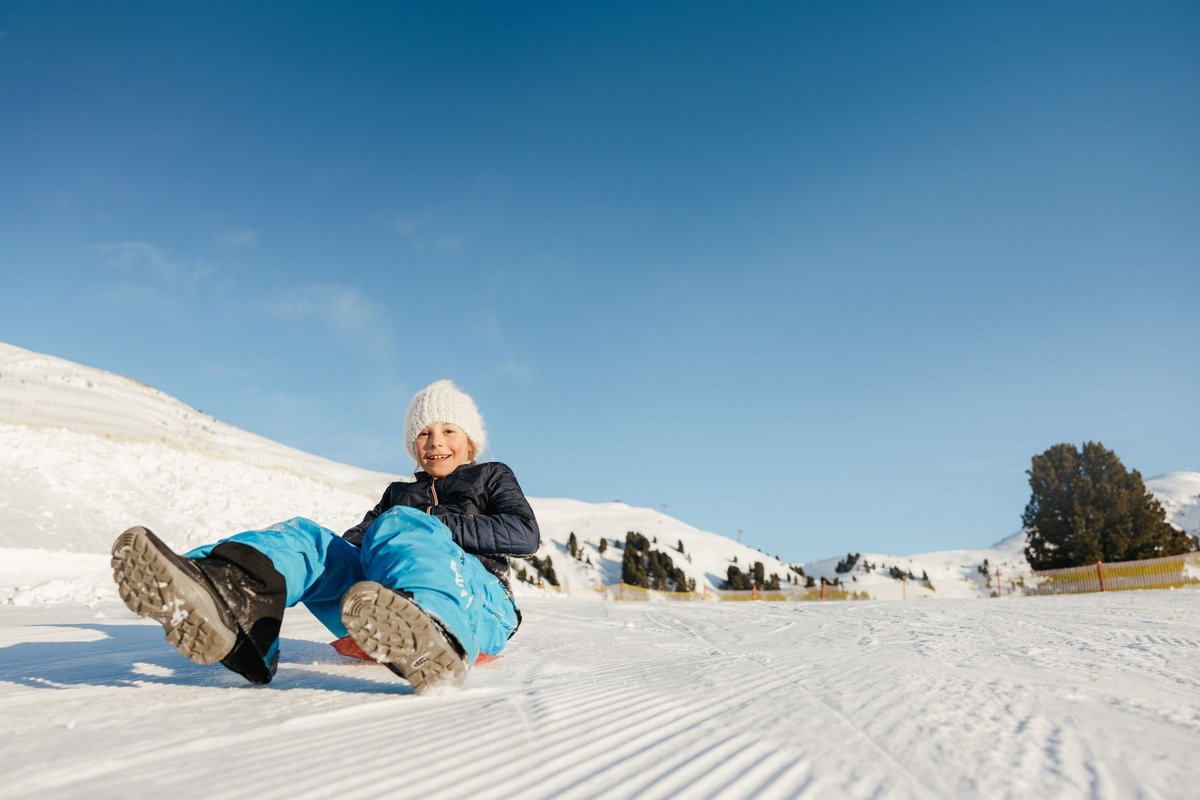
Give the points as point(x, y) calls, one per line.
point(442, 401)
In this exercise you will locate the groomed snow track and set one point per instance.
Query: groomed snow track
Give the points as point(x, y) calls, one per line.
point(1088, 696)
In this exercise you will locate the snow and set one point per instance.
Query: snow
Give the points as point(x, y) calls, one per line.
point(1039, 697)
point(1179, 495)
point(948, 692)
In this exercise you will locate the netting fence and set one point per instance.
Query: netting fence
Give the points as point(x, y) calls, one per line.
point(1168, 572)
point(625, 591)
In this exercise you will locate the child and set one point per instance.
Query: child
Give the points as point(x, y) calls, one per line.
point(421, 584)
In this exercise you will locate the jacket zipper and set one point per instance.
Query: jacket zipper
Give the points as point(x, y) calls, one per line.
point(433, 490)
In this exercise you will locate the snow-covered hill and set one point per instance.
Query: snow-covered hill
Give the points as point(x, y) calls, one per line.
point(1179, 494)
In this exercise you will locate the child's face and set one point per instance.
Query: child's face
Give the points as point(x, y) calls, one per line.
point(442, 448)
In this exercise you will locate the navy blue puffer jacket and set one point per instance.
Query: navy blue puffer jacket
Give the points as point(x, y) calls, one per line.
point(481, 504)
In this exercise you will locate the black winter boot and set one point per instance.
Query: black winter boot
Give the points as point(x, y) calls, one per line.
point(394, 630)
point(227, 607)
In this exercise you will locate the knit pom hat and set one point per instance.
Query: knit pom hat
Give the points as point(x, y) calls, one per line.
point(442, 401)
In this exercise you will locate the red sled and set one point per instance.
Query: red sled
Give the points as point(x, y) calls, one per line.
point(349, 648)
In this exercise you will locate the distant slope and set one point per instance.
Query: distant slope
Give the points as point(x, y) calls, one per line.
point(1179, 494)
point(42, 391)
point(706, 557)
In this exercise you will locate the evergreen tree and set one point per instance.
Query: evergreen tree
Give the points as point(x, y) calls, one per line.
point(603, 545)
point(573, 545)
point(633, 571)
point(648, 568)
point(1086, 507)
point(847, 563)
point(544, 567)
point(736, 580)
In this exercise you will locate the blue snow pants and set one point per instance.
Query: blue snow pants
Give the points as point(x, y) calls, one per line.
point(403, 549)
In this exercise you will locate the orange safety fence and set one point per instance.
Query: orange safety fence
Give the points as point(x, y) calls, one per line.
point(827, 592)
point(1168, 572)
point(625, 591)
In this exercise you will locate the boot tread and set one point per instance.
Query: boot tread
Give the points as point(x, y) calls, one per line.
point(391, 628)
point(155, 585)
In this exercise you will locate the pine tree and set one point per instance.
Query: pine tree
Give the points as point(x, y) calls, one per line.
point(632, 570)
point(648, 568)
point(545, 567)
point(847, 563)
point(1086, 507)
point(736, 580)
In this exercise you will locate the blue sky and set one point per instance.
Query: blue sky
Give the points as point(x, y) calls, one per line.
point(822, 275)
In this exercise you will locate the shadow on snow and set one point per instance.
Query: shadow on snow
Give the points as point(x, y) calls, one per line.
point(138, 655)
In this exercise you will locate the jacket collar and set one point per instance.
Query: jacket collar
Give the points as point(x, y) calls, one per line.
point(422, 475)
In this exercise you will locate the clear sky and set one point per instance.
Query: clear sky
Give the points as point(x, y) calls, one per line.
point(824, 275)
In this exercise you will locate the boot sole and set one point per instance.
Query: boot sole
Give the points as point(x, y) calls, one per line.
point(392, 629)
point(154, 586)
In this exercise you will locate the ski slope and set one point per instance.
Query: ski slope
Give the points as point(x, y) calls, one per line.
point(945, 694)
point(1088, 697)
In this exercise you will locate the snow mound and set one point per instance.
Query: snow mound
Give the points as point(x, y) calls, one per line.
point(42, 391)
